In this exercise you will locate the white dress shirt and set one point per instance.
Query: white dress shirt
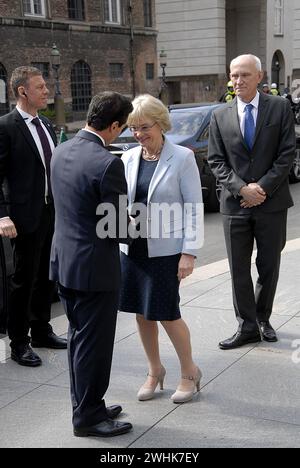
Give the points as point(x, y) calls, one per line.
point(94, 133)
point(32, 128)
point(241, 105)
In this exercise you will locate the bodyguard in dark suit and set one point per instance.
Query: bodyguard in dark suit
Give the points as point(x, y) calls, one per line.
point(27, 214)
point(85, 261)
point(251, 151)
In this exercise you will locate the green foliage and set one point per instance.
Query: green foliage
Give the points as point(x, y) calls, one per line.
point(62, 137)
point(49, 113)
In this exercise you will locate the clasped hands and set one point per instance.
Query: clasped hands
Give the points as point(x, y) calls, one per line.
point(252, 195)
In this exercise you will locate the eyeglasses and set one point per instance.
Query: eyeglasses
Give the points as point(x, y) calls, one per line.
point(142, 129)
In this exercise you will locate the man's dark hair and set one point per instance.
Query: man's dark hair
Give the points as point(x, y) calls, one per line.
point(107, 108)
point(20, 77)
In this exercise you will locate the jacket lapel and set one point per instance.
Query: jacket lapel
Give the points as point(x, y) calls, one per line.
point(162, 167)
point(50, 129)
point(236, 123)
point(132, 173)
point(262, 107)
point(26, 133)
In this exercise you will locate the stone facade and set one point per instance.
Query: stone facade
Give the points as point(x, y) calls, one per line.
point(201, 37)
point(192, 32)
point(97, 44)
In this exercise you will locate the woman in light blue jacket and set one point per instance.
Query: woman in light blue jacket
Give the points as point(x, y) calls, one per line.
point(165, 200)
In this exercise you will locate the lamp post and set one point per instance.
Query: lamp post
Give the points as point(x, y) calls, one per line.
point(59, 106)
point(163, 95)
point(277, 71)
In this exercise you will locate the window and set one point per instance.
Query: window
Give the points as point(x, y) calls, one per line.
point(34, 7)
point(76, 9)
point(112, 11)
point(4, 107)
point(278, 26)
point(149, 71)
point(43, 66)
point(81, 86)
point(116, 71)
point(147, 13)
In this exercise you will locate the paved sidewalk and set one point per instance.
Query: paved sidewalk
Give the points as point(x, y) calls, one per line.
point(249, 398)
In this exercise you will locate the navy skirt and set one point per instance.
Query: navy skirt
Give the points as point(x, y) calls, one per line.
point(150, 286)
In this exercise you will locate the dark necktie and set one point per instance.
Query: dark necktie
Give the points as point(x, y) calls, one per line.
point(249, 127)
point(46, 149)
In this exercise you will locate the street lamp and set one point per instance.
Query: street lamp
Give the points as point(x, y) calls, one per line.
point(59, 105)
point(163, 95)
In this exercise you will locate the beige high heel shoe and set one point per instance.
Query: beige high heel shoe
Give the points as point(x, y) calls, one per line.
point(181, 396)
point(147, 392)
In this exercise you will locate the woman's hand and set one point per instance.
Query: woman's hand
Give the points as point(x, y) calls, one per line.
point(7, 228)
point(186, 266)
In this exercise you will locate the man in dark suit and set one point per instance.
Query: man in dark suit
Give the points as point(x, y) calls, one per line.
point(27, 215)
point(251, 151)
point(87, 180)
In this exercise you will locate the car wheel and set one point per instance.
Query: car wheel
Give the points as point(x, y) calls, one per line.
point(295, 171)
point(213, 199)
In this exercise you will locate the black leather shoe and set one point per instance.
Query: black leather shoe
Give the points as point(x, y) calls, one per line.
point(240, 339)
point(51, 341)
point(107, 428)
point(25, 356)
point(113, 411)
point(268, 332)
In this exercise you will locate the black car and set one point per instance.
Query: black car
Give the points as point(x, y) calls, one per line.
point(190, 128)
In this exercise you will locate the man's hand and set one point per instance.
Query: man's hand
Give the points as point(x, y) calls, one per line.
point(252, 195)
point(186, 266)
point(7, 228)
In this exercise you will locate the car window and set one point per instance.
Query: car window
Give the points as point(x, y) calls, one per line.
point(125, 137)
point(204, 135)
point(186, 123)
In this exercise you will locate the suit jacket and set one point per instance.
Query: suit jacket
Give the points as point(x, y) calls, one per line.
point(176, 184)
point(22, 172)
point(268, 163)
point(84, 175)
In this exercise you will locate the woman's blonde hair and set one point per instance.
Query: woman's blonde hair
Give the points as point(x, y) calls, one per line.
point(147, 106)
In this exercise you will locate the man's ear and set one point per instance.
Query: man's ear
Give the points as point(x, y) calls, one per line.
point(21, 91)
point(115, 125)
point(261, 75)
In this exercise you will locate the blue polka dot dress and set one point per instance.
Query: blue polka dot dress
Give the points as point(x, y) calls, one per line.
point(150, 286)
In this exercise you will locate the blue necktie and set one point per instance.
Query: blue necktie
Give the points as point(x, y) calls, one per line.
point(249, 127)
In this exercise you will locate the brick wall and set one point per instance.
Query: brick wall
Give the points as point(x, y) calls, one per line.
point(27, 40)
point(10, 8)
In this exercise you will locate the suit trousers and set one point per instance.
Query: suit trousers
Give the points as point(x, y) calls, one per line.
point(31, 291)
point(92, 323)
point(269, 232)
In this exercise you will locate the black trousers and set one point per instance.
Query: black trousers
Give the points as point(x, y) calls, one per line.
point(31, 291)
point(92, 324)
point(269, 232)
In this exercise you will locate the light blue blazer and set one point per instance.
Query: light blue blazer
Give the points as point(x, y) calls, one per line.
point(174, 206)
